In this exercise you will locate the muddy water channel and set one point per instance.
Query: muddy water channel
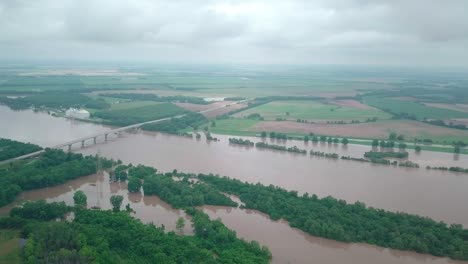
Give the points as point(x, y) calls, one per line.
point(439, 195)
point(98, 189)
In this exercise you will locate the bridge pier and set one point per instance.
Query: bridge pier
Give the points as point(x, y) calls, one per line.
point(94, 139)
point(82, 143)
point(69, 148)
point(105, 137)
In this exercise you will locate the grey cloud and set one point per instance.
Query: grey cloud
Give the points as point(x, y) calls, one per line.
point(303, 31)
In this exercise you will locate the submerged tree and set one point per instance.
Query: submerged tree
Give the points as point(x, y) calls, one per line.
point(116, 201)
point(344, 141)
point(80, 199)
point(180, 224)
point(134, 184)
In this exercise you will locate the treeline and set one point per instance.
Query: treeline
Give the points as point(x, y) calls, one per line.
point(175, 125)
point(96, 236)
point(454, 169)
point(338, 220)
point(50, 168)
point(275, 135)
point(240, 141)
point(156, 98)
point(443, 124)
point(280, 148)
point(11, 148)
point(386, 154)
point(323, 154)
point(388, 144)
point(181, 194)
point(53, 100)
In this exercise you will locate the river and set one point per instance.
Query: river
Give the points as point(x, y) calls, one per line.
point(439, 195)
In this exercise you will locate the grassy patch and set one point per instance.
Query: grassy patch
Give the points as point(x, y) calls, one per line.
point(410, 108)
point(233, 126)
point(9, 246)
point(312, 110)
point(132, 104)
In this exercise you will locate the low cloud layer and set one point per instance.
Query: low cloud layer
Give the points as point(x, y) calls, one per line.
point(392, 32)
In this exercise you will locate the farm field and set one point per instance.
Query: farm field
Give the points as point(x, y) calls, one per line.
point(375, 130)
point(418, 110)
point(234, 126)
point(131, 104)
point(214, 113)
point(128, 116)
point(454, 107)
point(313, 110)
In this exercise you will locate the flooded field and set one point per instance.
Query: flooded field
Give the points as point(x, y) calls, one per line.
point(439, 195)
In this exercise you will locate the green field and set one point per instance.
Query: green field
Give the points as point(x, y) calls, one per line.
point(129, 116)
point(233, 126)
point(131, 104)
point(415, 109)
point(312, 110)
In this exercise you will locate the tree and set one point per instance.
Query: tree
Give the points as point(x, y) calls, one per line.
point(375, 143)
point(383, 144)
point(306, 138)
point(344, 141)
point(456, 149)
point(180, 224)
point(116, 201)
point(400, 137)
point(121, 175)
point(392, 136)
point(417, 148)
point(80, 199)
point(402, 146)
point(213, 124)
point(264, 134)
point(134, 184)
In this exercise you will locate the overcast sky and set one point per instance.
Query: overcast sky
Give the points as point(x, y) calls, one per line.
point(383, 32)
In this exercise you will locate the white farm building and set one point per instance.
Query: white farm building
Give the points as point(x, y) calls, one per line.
point(77, 113)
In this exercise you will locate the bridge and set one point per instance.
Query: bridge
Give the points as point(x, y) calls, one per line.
point(119, 130)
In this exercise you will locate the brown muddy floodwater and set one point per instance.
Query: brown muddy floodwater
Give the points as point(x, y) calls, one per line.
point(439, 195)
point(98, 189)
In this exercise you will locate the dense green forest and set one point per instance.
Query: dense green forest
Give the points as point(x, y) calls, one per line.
point(156, 98)
point(50, 168)
point(11, 148)
point(125, 117)
point(335, 219)
point(53, 100)
point(96, 236)
point(182, 193)
point(175, 125)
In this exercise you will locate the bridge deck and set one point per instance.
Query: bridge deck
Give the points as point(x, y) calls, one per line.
point(113, 131)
